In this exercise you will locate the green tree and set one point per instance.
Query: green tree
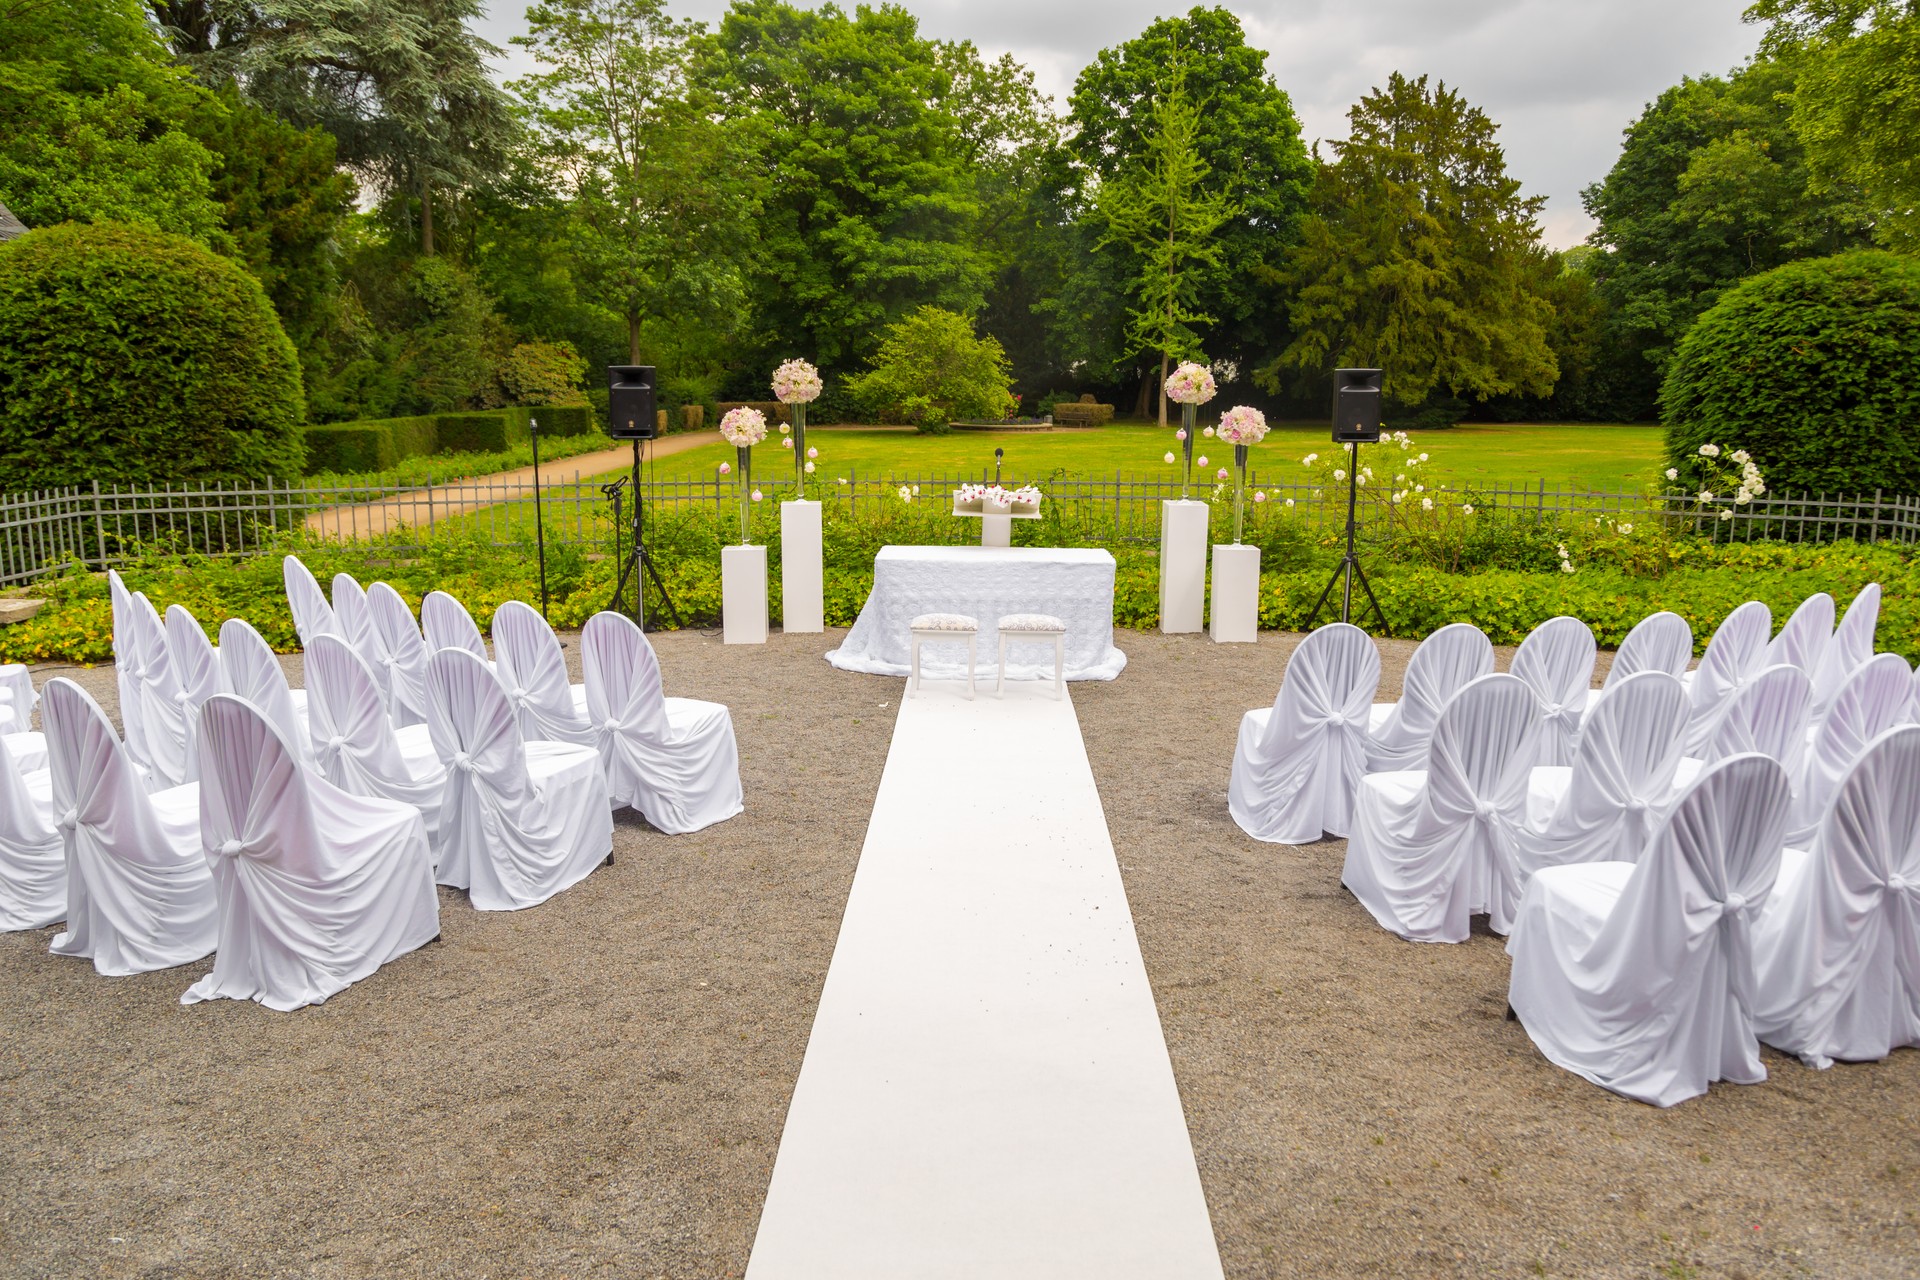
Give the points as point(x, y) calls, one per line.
point(1711, 186)
point(1856, 105)
point(1421, 256)
point(870, 208)
point(1161, 210)
point(932, 368)
point(1249, 140)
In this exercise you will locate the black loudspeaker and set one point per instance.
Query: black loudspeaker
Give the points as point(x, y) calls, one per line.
point(1356, 406)
point(630, 402)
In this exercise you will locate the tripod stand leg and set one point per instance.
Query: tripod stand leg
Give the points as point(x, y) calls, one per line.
point(1378, 615)
point(661, 587)
point(1325, 594)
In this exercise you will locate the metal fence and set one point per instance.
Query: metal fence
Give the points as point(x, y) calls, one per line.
point(105, 525)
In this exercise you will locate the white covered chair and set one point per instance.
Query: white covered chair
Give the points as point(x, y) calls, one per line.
point(162, 715)
point(1658, 642)
point(1298, 763)
point(17, 698)
point(1446, 662)
point(533, 671)
point(1640, 975)
point(29, 751)
point(139, 893)
point(1735, 654)
point(250, 669)
point(673, 759)
point(1603, 808)
point(448, 625)
point(520, 821)
point(403, 652)
point(356, 747)
point(128, 659)
point(1803, 641)
point(1851, 646)
point(317, 887)
point(312, 615)
point(1556, 660)
point(1837, 946)
point(1873, 700)
point(1768, 715)
point(33, 863)
point(196, 674)
point(355, 621)
point(1430, 848)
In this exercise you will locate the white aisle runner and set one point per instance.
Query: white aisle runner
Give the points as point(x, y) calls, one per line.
point(986, 1092)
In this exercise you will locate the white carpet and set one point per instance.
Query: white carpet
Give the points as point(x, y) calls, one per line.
point(986, 1092)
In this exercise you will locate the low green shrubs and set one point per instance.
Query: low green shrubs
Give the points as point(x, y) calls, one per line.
point(379, 444)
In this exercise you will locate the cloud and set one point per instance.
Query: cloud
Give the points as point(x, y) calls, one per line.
point(1561, 78)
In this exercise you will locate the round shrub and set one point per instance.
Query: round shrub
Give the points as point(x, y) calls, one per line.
point(932, 369)
point(1814, 369)
point(131, 355)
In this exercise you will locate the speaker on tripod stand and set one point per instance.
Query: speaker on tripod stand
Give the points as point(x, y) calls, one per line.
point(1356, 421)
point(631, 416)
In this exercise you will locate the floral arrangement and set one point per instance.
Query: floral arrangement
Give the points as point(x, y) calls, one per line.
point(743, 428)
point(796, 382)
point(1734, 482)
point(1242, 424)
point(1191, 384)
point(970, 499)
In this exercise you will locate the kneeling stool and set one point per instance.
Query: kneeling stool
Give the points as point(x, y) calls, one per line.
point(1034, 628)
point(942, 627)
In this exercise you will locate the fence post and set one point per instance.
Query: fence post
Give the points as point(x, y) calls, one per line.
point(99, 526)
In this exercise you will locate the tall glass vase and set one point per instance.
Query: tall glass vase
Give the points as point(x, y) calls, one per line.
point(799, 449)
point(745, 489)
point(1188, 414)
point(1239, 490)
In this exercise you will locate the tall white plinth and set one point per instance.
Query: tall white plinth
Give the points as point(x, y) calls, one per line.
point(1183, 564)
point(802, 578)
point(1236, 594)
point(743, 594)
point(996, 531)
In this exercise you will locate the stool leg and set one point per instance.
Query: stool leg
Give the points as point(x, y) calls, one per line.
point(913, 680)
point(972, 642)
point(1000, 681)
point(1059, 666)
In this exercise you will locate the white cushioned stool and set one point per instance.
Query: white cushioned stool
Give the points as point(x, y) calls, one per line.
point(1034, 628)
point(943, 627)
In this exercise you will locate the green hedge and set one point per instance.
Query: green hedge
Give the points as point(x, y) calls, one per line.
point(349, 447)
point(378, 443)
point(472, 432)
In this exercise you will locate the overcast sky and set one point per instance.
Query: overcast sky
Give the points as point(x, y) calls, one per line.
point(1561, 78)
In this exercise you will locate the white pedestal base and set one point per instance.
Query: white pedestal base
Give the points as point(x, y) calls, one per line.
point(1236, 594)
point(802, 578)
point(996, 531)
point(1183, 564)
point(743, 594)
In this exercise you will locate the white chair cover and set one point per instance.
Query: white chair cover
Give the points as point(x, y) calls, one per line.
point(33, 864)
point(1446, 662)
point(1556, 660)
point(519, 821)
point(355, 746)
point(673, 759)
point(1767, 716)
point(17, 698)
point(318, 888)
point(196, 673)
point(139, 894)
point(1603, 808)
point(1803, 641)
point(1640, 976)
point(533, 671)
point(403, 652)
point(1658, 642)
point(1837, 946)
point(1873, 700)
point(1735, 654)
point(448, 625)
point(1298, 762)
point(1429, 849)
point(163, 714)
point(312, 615)
point(29, 751)
point(251, 671)
point(1851, 646)
point(355, 621)
point(129, 657)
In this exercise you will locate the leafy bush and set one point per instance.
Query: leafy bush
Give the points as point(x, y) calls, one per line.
point(127, 354)
point(931, 369)
point(471, 432)
point(542, 373)
point(1809, 367)
point(349, 446)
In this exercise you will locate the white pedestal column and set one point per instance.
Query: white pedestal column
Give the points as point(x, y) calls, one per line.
point(996, 531)
point(802, 578)
point(1183, 564)
point(1236, 594)
point(743, 594)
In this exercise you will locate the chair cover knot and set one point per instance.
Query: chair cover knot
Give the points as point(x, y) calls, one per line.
point(70, 819)
point(1484, 808)
point(230, 848)
point(1636, 805)
point(462, 761)
point(1736, 902)
point(519, 694)
point(1337, 719)
point(612, 725)
point(1900, 884)
point(337, 742)
point(182, 697)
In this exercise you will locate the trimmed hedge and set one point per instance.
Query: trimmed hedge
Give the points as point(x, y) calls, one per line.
point(473, 432)
point(1811, 368)
point(127, 354)
point(1069, 414)
point(349, 448)
point(378, 443)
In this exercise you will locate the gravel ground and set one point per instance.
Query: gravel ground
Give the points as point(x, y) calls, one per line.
point(596, 1087)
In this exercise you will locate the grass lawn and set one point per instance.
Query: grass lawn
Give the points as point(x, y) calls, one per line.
point(1602, 457)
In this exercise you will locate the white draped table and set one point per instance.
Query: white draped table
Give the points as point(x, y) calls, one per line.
point(1074, 584)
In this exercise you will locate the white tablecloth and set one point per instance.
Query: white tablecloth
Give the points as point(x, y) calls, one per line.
point(1074, 584)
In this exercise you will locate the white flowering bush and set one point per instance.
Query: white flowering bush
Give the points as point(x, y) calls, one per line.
point(1727, 480)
